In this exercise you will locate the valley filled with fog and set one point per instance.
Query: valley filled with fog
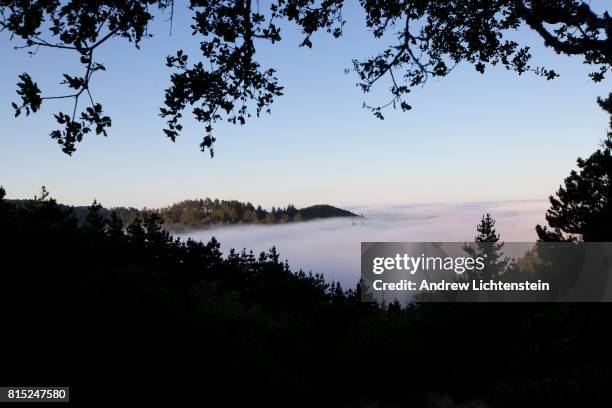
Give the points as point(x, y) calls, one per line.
point(332, 246)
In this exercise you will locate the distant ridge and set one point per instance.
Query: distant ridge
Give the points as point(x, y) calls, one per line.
point(208, 212)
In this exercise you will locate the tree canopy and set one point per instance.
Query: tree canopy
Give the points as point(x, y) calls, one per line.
point(227, 82)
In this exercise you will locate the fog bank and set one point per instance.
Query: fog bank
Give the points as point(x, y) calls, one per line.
point(332, 246)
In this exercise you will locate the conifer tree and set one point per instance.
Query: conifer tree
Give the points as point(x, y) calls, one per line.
point(44, 195)
point(94, 221)
point(582, 208)
point(115, 227)
point(489, 247)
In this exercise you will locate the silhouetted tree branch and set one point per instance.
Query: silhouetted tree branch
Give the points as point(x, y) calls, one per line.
point(226, 82)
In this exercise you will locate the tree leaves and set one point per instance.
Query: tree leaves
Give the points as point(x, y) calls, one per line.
point(435, 36)
point(74, 131)
point(81, 27)
point(29, 92)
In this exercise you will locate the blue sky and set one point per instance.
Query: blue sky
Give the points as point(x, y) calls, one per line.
point(469, 137)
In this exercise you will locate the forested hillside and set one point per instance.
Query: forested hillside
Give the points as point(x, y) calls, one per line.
point(206, 212)
point(196, 213)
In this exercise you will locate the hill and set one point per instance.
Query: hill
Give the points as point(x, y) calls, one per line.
point(208, 212)
point(323, 211)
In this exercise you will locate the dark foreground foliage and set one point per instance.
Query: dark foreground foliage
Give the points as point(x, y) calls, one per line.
point(133, 313)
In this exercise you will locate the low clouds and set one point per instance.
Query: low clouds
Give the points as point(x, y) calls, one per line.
point(332, 246)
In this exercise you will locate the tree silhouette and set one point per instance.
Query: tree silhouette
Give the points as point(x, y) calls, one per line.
point(94, 221)
point(486, 230)
point(582, 208)
point(489, 247)
point(43, 195)
point(226, 82)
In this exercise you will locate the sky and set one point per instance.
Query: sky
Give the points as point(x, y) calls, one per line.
point(469, 137)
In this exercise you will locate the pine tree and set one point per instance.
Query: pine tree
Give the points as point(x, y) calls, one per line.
point(135, 233)
point(582, 207)
point(260, 213)
point(291, 212)
point(489, 247)
point(44, 195)
point(337, 293)
point(273, 214)
point(486, 230)
point(273, 255)
point(115, 227)
point(95, 222)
